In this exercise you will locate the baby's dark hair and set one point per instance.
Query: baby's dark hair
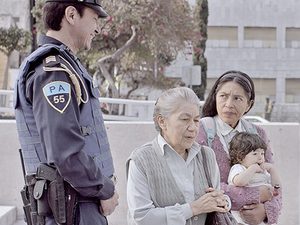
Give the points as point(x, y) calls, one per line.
point(242, 144)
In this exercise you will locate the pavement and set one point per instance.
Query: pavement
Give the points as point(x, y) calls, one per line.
point(8, 215)
point(19, 222)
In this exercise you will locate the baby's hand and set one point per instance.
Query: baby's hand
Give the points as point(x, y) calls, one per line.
point(266, 166)
point(256, 168)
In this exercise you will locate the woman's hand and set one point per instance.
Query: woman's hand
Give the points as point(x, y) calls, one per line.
point(253, 214)
point(265, 193)
point(213, 200)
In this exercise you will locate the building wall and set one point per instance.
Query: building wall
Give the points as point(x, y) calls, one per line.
point(266, 13)
point(15, 10)
point(261, 38)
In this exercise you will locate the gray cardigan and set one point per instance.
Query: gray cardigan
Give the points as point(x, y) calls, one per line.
point(162, 185)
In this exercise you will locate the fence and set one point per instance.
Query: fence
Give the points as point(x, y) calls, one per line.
point(112, 108)
point(6, 104)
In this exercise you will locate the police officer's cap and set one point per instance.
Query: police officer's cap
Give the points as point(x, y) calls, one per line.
point(94, 4)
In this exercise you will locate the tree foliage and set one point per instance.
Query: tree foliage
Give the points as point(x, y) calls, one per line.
point(159, 30)
point(12, 39)
point(162, 28)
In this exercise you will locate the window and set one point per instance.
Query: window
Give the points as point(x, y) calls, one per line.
point(292, 37)
point(222, 37)
point(260, 37)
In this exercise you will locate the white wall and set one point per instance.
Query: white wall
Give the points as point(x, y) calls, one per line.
point(15, 9)
point(125, 136)
point(254, 12)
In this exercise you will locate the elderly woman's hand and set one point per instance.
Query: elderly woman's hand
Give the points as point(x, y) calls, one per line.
point(213, 200)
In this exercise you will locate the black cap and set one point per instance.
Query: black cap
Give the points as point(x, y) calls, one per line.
point(94, 4)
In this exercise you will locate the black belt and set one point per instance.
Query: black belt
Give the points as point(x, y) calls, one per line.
point(83, 199)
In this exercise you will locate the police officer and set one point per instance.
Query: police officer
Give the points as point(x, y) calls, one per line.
point(58, 114)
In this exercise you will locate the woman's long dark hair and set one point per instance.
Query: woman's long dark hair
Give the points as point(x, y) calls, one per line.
point(210, 108)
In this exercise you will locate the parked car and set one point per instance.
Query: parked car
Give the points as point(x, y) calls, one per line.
point(256, 119)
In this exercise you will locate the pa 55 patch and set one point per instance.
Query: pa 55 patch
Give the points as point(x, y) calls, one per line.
point(58, 95)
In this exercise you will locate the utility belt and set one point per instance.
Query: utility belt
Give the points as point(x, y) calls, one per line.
point(46, 193)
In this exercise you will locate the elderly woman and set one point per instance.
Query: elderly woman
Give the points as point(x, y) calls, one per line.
point(166, 179)
point(231, 97)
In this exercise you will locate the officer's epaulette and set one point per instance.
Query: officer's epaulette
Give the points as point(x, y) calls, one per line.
point(51, 61)
point(58, 63)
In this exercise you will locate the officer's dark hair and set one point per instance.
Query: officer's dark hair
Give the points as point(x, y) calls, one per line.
point(53, 13)
point(209, 108)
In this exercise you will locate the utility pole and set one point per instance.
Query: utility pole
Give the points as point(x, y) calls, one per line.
point(201, 17)
point(32, 26)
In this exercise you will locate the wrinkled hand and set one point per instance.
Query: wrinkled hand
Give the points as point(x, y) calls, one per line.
point(108, 206)
point(253, 214)
point(213, 200)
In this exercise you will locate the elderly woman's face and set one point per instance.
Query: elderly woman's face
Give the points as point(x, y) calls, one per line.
point(232, 102)
point(181, 128)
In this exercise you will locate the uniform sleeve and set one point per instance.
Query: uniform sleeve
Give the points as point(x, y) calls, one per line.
point(141, 207)
point(56, 114)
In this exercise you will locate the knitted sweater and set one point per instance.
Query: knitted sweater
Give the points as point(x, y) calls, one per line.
point(162, 185)
point(241, 196)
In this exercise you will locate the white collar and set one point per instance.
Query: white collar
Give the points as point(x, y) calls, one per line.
point(192, 152)
point(162, 142)
point(225, 129)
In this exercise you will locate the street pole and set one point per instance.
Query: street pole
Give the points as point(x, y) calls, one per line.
point(32, 26)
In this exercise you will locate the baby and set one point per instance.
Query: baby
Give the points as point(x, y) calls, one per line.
point(247, 156)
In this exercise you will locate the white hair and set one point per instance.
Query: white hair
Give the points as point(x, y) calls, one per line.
point(170, 100)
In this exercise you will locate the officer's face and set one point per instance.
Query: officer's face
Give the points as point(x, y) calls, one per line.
point(87, 28)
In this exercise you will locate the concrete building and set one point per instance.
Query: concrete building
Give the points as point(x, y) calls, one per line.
point(261, 38)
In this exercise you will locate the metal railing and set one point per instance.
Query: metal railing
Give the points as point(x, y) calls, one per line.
point(112, 108)
point(6, 104)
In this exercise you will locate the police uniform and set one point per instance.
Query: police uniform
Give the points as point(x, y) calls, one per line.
point(60, 123)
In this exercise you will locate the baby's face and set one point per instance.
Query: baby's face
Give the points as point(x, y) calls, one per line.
point(254, 157)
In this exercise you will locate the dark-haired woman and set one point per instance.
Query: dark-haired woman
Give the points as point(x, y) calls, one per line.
point(230, 98)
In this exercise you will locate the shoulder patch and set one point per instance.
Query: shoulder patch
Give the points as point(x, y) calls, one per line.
point(58, 95)
point(51, 61)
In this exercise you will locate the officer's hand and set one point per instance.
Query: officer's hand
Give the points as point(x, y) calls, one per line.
point(108, 206)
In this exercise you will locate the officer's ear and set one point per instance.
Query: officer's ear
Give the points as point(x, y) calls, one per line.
point(71, 14)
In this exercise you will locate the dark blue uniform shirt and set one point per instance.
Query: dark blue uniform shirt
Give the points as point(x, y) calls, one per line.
point(60, 123)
